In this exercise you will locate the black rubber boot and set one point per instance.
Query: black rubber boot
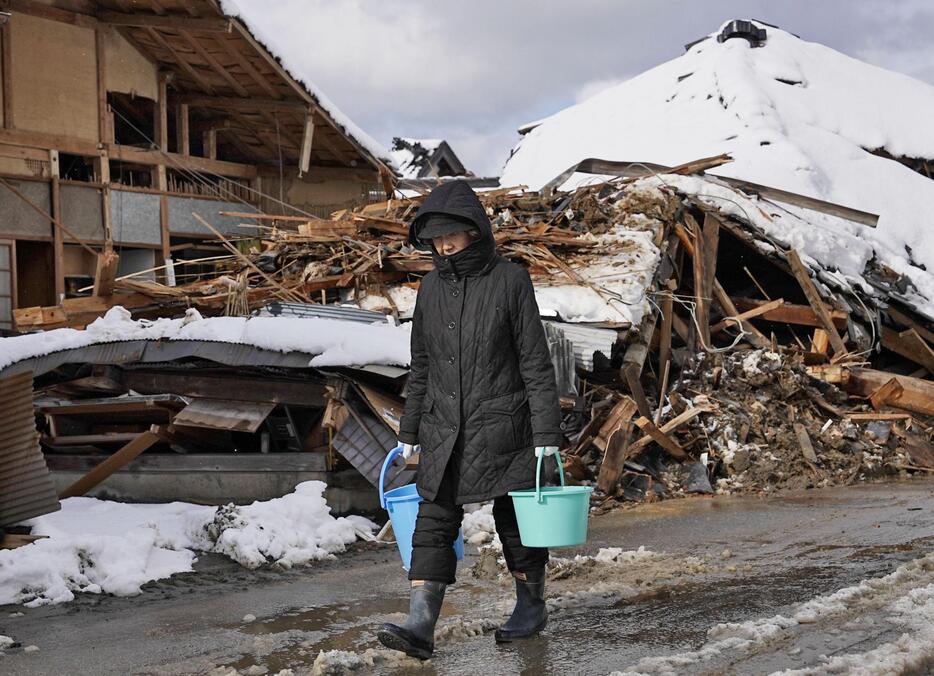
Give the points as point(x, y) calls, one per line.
point(416, 638)
point(530, 614)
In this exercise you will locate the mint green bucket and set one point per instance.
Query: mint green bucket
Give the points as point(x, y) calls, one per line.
point(552, 516)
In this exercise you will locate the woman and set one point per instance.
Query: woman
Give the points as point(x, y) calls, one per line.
point(482, 404)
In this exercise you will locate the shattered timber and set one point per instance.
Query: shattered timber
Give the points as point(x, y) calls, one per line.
point(695, 352)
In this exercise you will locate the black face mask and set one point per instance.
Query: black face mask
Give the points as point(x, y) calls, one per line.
point(471, 260)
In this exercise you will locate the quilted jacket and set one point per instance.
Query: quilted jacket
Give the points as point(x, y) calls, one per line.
point(481, 389)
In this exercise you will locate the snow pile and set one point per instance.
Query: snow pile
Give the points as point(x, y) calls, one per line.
point(906, 596)
point(290, 56)
point(793, 115)
point(288, 531)
point(100, 546)
point(333, 342)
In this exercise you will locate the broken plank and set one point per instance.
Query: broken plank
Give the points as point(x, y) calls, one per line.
point(617, 445)
point(659, 437)
point(14, 540)
point(815, 300)
point(804, 442)
point(106, 273)
point(820, 341)
point(878, 416)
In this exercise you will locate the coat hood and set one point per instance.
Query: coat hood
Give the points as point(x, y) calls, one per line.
point(457, 199)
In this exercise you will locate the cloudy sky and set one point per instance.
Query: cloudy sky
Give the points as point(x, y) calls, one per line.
point(472, 72)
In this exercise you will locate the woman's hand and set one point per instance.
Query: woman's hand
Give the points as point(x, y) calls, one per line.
point(408, 450)
point(545, 451)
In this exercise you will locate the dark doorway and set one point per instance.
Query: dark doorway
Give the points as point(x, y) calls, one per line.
point(35, 276)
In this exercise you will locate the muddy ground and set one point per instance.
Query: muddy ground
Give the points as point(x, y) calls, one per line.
point(706, 561)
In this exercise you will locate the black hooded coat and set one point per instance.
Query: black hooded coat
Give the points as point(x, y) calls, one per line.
point(480, 366)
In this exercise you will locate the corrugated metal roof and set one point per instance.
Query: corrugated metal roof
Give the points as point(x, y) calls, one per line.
point(586, 341)
point(353, 314)
point(26, 489)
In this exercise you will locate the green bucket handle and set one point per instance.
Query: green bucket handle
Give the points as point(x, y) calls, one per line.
point(538, 473)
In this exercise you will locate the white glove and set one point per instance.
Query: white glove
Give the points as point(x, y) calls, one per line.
point(545, 451)
point(408, 450)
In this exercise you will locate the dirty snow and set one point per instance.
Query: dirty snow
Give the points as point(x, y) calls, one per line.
point(100, 546)
point(290, 56)
point(478, 525)
point(794, 115)
point(905, 597)
point(333, 342)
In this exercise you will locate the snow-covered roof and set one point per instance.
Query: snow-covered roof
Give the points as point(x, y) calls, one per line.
point(411, 155)
point(287, 55)
point(327, 342)
point(793, 114)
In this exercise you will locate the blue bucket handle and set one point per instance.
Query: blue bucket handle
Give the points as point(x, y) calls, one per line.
point(382, 473)
point(538, 474)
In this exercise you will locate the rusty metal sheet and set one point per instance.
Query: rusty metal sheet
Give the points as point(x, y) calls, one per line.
point(218, 414)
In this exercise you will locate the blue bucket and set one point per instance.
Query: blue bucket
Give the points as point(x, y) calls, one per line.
point(402, 505)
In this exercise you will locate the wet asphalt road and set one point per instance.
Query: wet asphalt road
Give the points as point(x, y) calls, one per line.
point(784, 550)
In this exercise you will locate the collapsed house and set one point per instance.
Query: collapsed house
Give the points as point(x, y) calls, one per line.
point(709, 333)
point(120, 119)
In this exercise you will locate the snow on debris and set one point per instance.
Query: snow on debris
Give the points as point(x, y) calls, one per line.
point(290, 56)
point(794, 115)
point(839, 250)
point(905, 598)
point(333, 342)
point(105, 547)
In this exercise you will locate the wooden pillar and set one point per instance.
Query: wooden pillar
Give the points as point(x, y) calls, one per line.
point(7, 72)
point(210, 144)
point(103, 115)
point(181, 125)
point(102, 168)
point(162, 187)
point(162, 114)
point(58, 248)
point(305, 159)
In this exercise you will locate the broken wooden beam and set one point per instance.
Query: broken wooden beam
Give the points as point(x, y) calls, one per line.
point(111, 464)
point(889, 391)
point(917, 395)
point(815, 300)
point(659, 437)
point(804, 443)
point(910, 345)
point(791, 313)
point(634, 361)
point(748, 314)
point(617, 445)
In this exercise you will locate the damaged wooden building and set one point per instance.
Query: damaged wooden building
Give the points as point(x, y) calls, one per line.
point(120, 119)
